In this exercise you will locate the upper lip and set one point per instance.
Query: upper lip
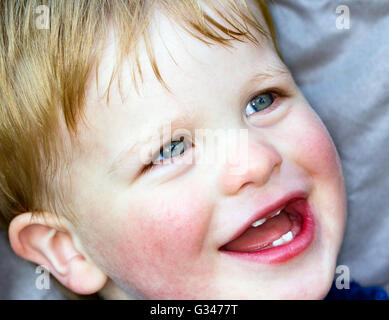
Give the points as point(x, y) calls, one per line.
point(267, 210)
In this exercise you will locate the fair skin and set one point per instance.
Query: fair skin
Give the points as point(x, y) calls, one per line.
point(158, 234)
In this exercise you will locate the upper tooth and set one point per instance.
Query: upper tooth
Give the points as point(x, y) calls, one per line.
point(276, 214)
point(262, 221)
point(258, 222)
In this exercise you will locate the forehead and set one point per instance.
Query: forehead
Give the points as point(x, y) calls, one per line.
point(221, 21)
point(172, 56)
point(197, 75)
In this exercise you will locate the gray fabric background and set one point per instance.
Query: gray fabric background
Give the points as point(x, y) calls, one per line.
point(344, 75)
point(18, 277)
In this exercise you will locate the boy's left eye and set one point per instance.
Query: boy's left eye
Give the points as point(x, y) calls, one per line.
point(259, 103)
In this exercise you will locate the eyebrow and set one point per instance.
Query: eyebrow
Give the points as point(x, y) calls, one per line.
point(183, 121)
point(271, 73)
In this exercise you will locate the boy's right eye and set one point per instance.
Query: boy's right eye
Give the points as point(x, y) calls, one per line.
point(173, 149)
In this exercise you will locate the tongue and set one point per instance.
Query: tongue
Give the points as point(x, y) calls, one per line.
point(262, 236)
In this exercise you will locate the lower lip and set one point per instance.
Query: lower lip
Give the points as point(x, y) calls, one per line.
point(286, 251)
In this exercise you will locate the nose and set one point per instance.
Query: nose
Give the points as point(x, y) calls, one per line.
point(254, 163)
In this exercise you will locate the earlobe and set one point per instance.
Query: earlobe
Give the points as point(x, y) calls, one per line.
point(39, 241)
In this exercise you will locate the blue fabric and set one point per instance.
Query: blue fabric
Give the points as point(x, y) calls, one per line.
point(357, 292)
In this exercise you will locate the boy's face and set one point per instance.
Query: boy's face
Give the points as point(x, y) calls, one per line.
point(167, 232)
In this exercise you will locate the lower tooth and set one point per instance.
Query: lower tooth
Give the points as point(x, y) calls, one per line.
point(278, 242)
point(285, 238)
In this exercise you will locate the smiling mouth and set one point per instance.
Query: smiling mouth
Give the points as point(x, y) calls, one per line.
point(280, 236)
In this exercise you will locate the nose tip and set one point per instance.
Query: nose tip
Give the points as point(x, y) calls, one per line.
point(255, 165)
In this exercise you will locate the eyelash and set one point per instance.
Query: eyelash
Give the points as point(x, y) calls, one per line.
point(274, 92)
point(153, 165)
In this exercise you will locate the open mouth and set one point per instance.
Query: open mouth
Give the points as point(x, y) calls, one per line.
point(278, 236)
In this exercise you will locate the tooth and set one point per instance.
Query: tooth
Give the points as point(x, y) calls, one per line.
point(258, 222)
point(287, 236)
point(278, 242)
point(276, 214)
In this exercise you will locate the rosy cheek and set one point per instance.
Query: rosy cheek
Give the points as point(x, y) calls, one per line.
point(313, 147)
point(171, 226)
point(162, 239)
point(315, 152)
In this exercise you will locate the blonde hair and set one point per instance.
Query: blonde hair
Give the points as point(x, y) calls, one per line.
point(43, 75)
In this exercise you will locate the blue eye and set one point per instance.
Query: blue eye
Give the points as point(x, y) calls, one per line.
point(259, 103)
point(173, 149)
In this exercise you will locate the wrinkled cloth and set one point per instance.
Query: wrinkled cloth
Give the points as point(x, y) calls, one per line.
point(20, 279)
point(344, 74)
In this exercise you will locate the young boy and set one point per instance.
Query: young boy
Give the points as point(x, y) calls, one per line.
point(93, 187)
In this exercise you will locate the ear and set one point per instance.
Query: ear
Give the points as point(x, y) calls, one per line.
point(41, 240)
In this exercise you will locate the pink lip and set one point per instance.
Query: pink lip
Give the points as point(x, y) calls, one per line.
point(289, 250)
